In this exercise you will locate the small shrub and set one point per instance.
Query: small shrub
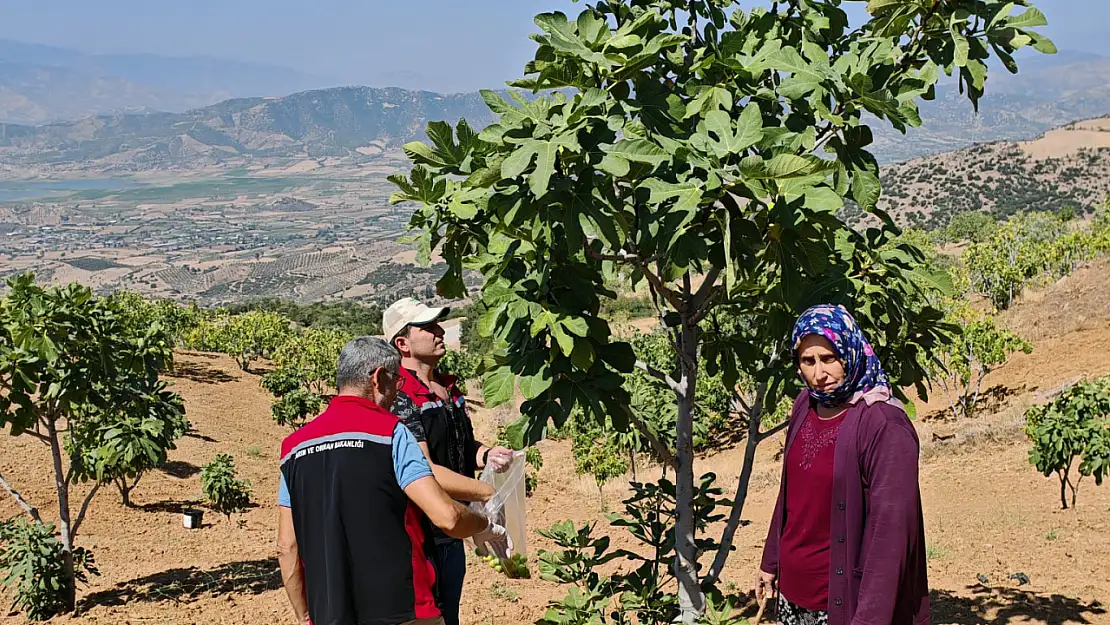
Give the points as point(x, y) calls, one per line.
point(1075, 425)
point(31, 561)
point(224, 492)
point(596, 452)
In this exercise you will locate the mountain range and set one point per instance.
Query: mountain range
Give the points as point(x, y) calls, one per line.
point(1048, 92)
point(354, 121)
point(344, 121)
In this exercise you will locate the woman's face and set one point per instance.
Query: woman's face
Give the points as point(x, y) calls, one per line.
point(818, 364)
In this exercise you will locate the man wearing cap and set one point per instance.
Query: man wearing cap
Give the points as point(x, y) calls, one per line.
point(356, 496)
point(432, 406)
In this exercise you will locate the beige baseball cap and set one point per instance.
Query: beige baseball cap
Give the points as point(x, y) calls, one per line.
point(406, 312)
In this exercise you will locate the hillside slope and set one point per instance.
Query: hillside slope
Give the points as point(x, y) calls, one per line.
point(1065, 167)
point(987, 511)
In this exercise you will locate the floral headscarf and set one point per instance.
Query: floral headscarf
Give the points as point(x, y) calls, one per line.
point(864, 377)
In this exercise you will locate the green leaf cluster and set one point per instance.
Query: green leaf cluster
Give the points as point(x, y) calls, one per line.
point(138, 312)
point(673, 151)
point(31, 560)
point(1028, 249)
point(223, 491)
point(463, 364)
point(246, 337)
point(643, 587)
point(1073, 426)
point(346, 316)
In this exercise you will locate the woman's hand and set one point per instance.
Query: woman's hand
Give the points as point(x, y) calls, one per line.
point(765, 586)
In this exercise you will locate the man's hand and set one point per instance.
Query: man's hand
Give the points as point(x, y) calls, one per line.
point(499, 458)
point(496, 540)
point(765, 586)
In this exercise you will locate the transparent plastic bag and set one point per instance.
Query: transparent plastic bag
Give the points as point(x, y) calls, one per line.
point(506, 508)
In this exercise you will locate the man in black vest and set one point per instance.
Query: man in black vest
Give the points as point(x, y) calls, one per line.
point(356, 498)
point(434, 409)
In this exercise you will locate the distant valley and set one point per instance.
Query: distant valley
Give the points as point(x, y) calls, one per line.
point(287, 196)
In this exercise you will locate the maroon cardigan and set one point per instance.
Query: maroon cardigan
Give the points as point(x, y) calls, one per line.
point(877, 573)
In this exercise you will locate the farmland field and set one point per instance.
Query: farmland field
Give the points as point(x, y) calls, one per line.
point(988, 512)
point(210, 236)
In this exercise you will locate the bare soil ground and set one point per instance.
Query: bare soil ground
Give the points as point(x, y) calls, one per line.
point(988, 512)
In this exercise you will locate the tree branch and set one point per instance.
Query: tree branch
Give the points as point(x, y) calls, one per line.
point(657, 445)
point(657, 283)
point(640, 263)
point(915, 40)
point(705, 292)
point(755, 418)
point(27, 507)
point(677, 387)
point(775, 430)
point(84, 509)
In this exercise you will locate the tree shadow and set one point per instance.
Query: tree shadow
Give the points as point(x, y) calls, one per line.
point(1001, 606)
point(176, 507)
point(199, 436)
point(208, 355)
point(180, 469)
point(997, 397)
point(252, 577)
point(200, 372)
point(991, 400)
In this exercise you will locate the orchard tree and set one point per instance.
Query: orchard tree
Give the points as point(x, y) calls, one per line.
point(314, 355)
point(981, 348)
point(1074, 426)
point(706, 150)
point(305, 373)
point(139, 312)
point(999, 266)
point(69, 365)
point(246, 337)
point(133, 435)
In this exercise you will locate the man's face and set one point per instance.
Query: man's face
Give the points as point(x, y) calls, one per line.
point(423, 342)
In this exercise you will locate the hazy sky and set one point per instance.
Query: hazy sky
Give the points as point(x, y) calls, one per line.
point(443, 45)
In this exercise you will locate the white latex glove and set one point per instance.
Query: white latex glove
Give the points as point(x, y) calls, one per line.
point(496, 540)
point(499, 458)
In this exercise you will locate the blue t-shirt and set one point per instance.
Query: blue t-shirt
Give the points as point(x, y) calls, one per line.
point(409, 463)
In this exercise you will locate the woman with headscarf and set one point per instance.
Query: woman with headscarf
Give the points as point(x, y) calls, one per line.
point(847, 542)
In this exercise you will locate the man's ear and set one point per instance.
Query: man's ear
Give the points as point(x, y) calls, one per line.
point(376, 380)
point(399, 341)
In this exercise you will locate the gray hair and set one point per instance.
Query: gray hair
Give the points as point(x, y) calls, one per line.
point(361, 357)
